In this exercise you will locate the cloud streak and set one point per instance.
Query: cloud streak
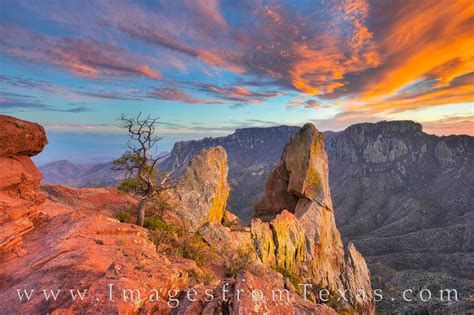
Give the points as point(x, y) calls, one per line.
point(85, 58)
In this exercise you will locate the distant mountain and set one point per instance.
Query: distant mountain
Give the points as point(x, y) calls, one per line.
point(406, 198)
point(89, 175)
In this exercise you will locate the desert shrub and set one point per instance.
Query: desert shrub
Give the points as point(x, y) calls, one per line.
point(292, 277)
point(242, 259)
point(192, 246)
point(154, 222)
point(160, 203)
point(175, 241)
point(200, 276)
point(124, 216)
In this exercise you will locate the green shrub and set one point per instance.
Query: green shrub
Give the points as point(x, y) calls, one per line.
point(294, 278)
point(200, 276)
point(176, 241)
point(242, 259)
point(124, 216)
point(192, 246)
point(155, 223)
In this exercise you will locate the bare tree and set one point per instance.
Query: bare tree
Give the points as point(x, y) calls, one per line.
point(139, 162)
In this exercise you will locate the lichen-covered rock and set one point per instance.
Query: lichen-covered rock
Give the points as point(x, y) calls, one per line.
point(20, 193)
point(200, 193)
point(290, 242)
point(297, 208)
point(230, 219)
point(262, 237)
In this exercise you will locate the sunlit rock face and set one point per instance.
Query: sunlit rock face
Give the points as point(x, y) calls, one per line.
point(251, 152)
point(20, 193)
point(199, 192)
point(301, 234)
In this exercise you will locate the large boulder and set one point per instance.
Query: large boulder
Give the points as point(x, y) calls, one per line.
point(20, 193)
point(295, 219)
point(199, 194)
point(20, 138)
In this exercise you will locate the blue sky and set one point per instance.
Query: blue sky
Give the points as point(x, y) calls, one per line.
point(209, 67)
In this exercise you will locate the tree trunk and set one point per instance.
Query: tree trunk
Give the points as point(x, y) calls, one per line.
point(141, 211)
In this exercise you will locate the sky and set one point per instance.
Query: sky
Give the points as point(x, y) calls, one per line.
point(207, 67)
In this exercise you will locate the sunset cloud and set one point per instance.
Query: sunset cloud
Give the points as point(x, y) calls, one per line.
point(85, 58)
point(363, 59)
point(241, 94)
point(177, 95)
point(451, 125)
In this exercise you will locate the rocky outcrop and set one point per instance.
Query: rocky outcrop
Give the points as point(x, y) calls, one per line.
point(20, 194)
point(20, 138)
point(295, 220)
point(200, 191)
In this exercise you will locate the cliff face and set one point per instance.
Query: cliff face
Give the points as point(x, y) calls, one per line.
point(20, 195)
point(294, 223)
point(401, 195)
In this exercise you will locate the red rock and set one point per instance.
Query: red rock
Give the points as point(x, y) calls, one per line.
point(76, 248)
point(20, 137)
point(20, 193)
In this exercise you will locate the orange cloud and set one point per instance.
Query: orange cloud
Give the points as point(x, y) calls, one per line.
point(426, 40)
point(461, 92)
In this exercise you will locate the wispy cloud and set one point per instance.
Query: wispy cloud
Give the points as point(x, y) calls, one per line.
point(86, 58)
point(450, 125)
point(175, 94)
point(13, 105)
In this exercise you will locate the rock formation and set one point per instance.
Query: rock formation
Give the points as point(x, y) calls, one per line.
point(199, 194)
point(401, 195)
point(20, 195)
point(294, 223)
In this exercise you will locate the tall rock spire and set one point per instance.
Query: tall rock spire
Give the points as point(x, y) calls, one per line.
point(304, 240)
